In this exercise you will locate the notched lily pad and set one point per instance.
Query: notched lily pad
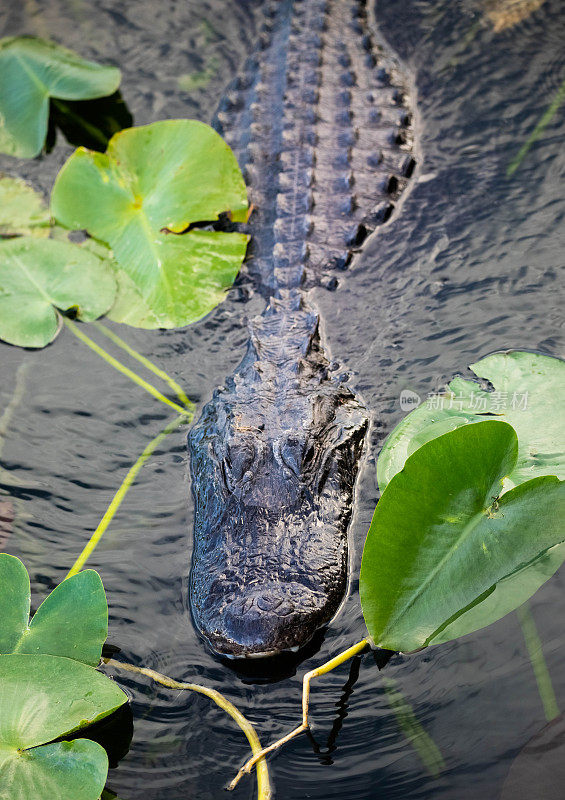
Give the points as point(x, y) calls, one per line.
point(33, 70)
point(22, 210)
point(40, 276)
point(44, 697)
point(153, 183)
point(57, 771)
point(446, 554)
point(71, 622)
point(529, 393)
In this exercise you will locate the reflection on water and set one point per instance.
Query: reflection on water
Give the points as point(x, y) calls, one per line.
point(538, 772)
point(470, 266)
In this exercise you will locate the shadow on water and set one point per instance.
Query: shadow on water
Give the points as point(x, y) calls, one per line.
point(87, 123)
point(113, 733)
point(277, 668)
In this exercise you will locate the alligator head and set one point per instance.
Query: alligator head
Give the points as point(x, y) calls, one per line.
point(274, 461)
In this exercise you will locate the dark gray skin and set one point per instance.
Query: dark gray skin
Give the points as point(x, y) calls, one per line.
point(319, 123)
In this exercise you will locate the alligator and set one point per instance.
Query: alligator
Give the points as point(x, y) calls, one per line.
point(321, 122)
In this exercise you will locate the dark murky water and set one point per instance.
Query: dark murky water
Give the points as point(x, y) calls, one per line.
point(470, 265)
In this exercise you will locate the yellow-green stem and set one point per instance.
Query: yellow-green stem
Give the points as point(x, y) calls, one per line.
point(263, 784)
point(122, 368)
point(541, 672)
point(322, 670)
point(177, 389)
point(121, 493)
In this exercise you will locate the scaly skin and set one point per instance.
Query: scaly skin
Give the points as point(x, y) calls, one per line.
point(319, 122)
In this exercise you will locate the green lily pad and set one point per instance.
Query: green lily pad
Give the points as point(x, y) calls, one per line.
point(529, 393)
point(446, 554)
point(15, 600)
point(204, 267)
point(44, 697)
point(152, 183)
point(37, 277)
point(72, 621)
point(22, 210)
point(33, 70)
point(57, 771)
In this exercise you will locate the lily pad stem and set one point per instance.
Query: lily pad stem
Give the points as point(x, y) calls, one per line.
point(177, 389)
point(264, 791)
point(539, 665)
point(121, 493)
point(315, 673)
point(74, 328)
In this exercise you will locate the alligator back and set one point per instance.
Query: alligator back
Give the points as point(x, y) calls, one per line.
point(320, 122)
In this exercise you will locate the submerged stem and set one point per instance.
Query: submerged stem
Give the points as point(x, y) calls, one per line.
point(263, 783)
point(133, 376)
point(322, 670)
point(537, 131)
point(535, 651)
point(15, 400)
point(177, 389)
point(121, 493)
point(422, 742)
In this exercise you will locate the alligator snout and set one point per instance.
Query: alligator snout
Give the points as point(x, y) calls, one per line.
point(267, 620)
point(264, 579)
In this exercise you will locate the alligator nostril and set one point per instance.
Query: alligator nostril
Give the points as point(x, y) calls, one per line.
point(267, 603)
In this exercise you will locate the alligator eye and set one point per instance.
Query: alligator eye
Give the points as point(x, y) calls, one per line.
point(292, 454)
point(239, 460)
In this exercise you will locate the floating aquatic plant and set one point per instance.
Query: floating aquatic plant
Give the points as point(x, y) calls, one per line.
point(446, 554)
point(22, 210)
point(31, 72)
point(452, 546)
point(71, 622)
point(50, 689)
point(528, 392)
point(43, 698)
point(39, 278)
point(143, 197)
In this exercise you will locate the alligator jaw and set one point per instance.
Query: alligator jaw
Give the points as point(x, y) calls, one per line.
point(273, 592)
point(274, 460)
